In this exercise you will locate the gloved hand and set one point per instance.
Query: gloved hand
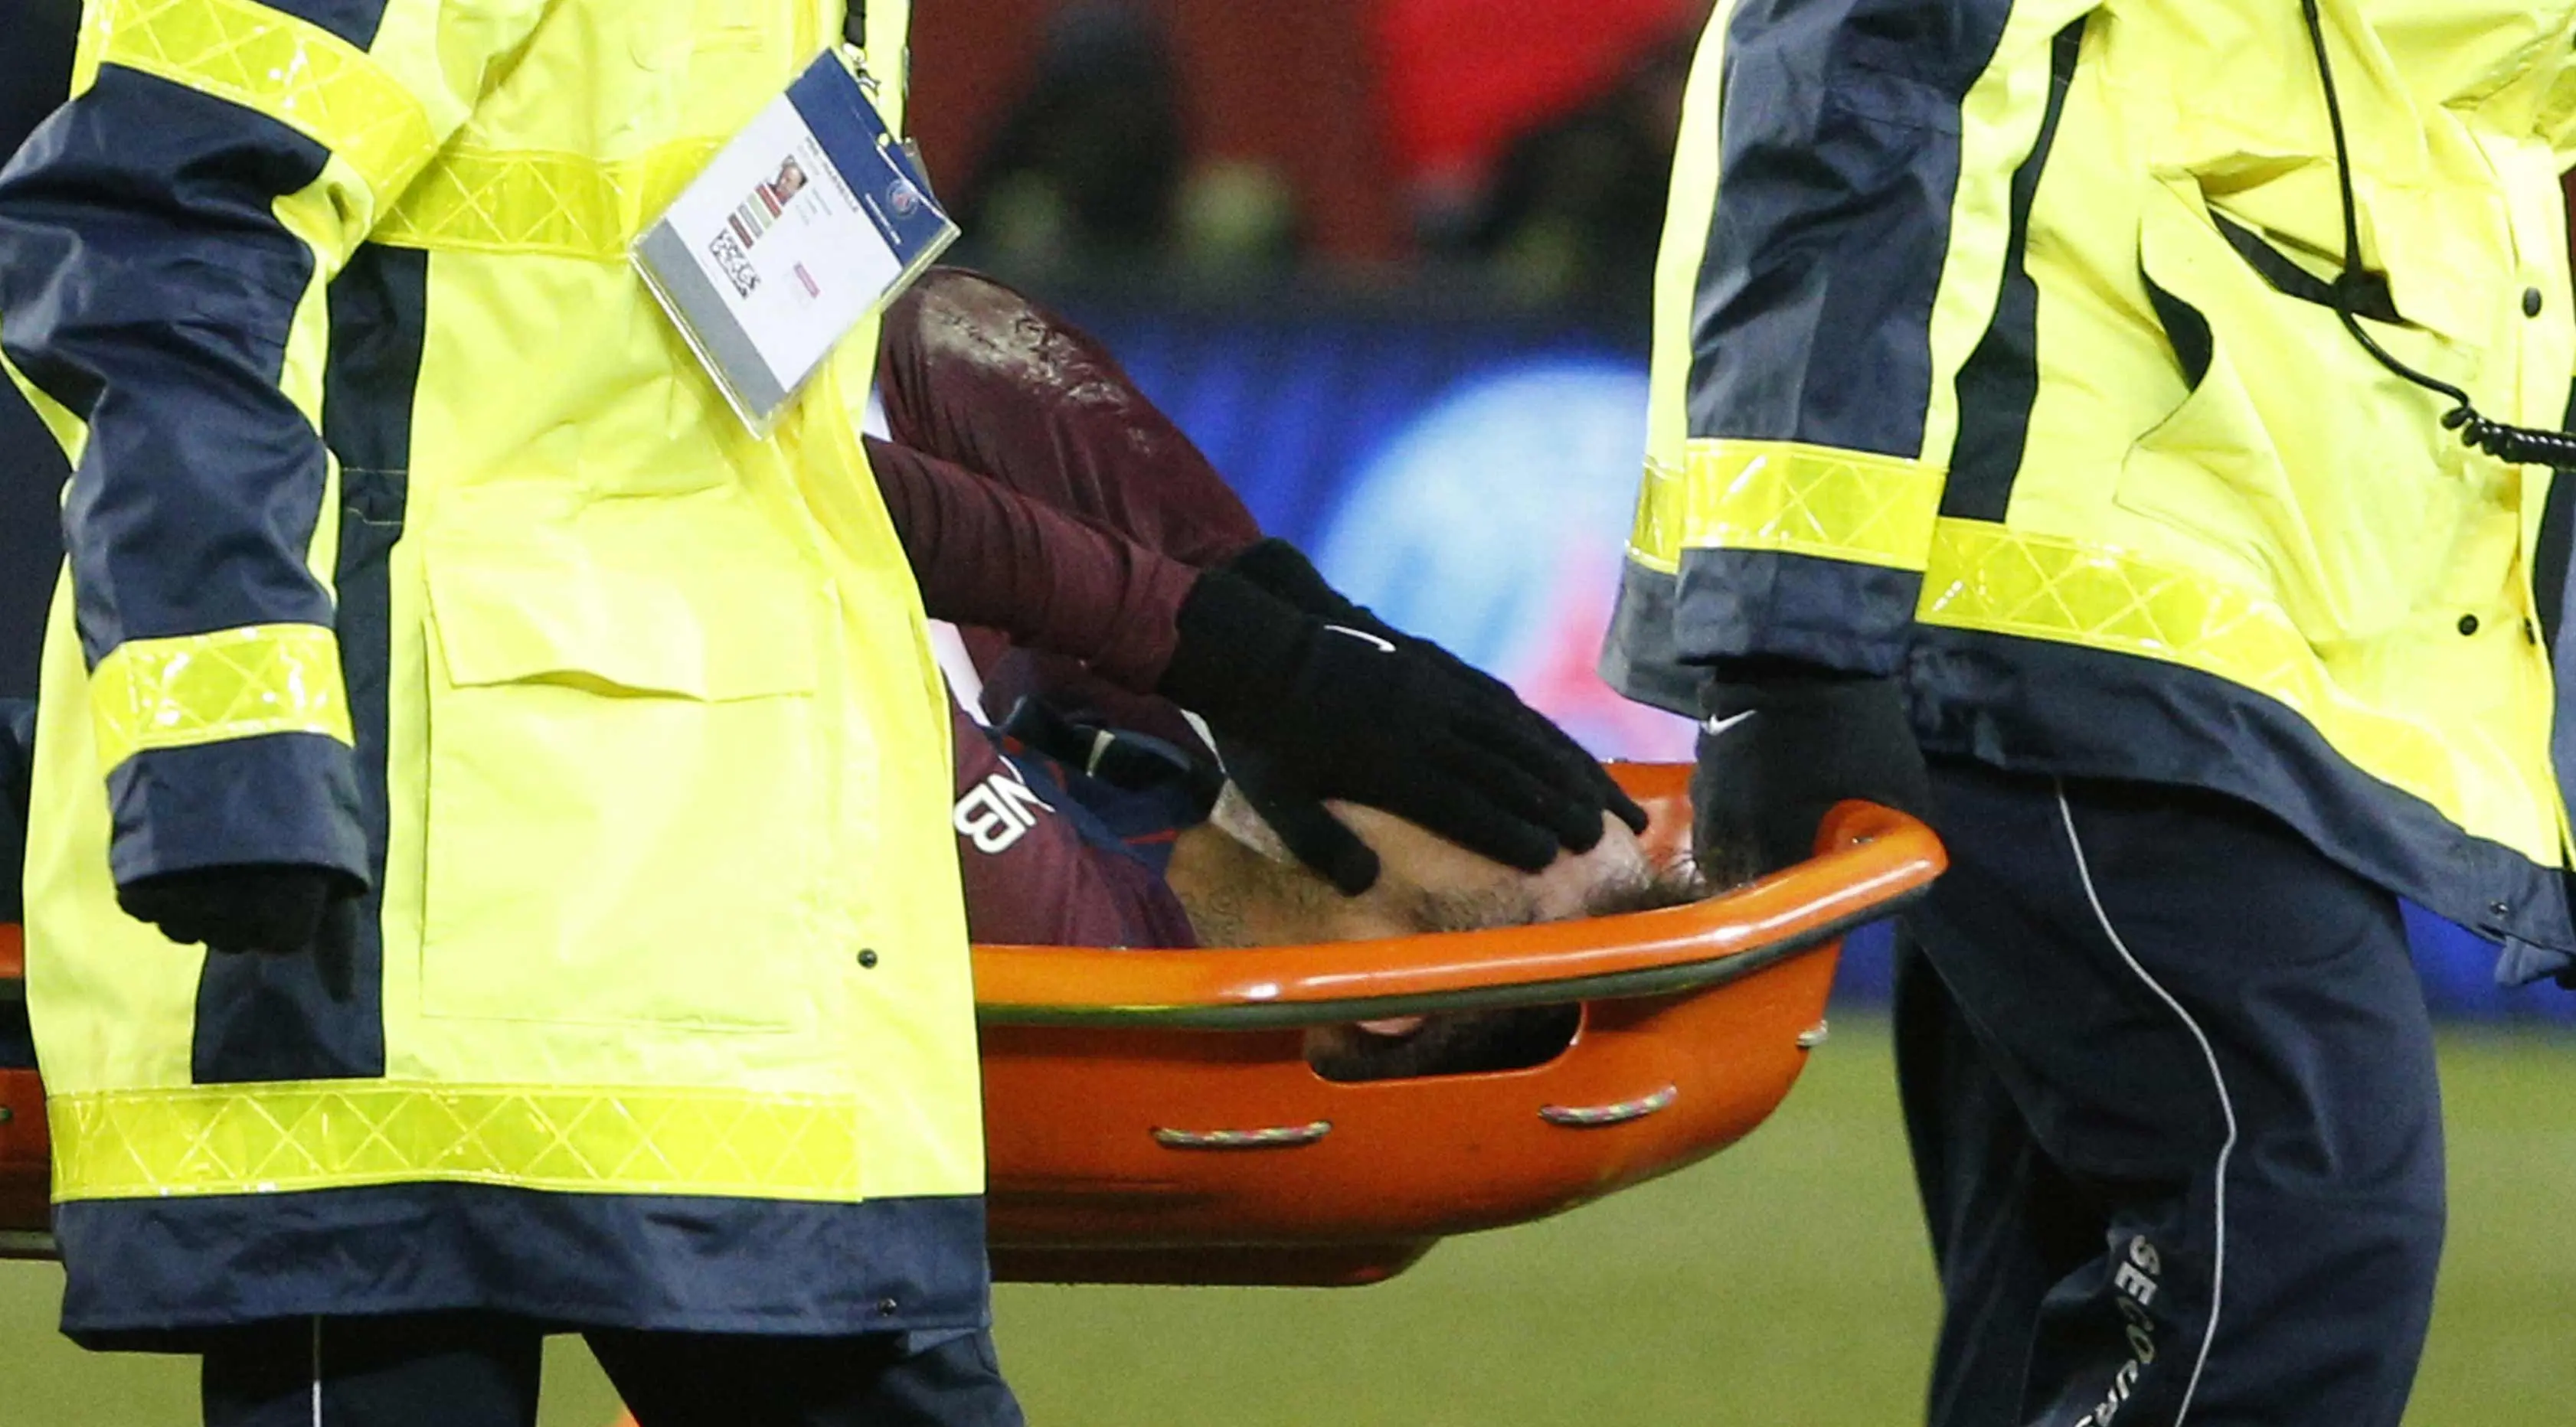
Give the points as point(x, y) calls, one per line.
point(1781, 745)
point(1339, 712)
point(1283, 570)
point(262, 907)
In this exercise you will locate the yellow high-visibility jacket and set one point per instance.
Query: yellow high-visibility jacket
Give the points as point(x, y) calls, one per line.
point(408, 538)
point(1994, 350)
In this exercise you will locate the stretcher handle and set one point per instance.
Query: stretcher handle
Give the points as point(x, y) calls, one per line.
point(1871, 861)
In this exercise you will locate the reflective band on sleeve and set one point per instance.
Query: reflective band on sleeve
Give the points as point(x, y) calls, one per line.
point(1785, 496)
point(211, 688)
point(272, 63)
point(261, 1139)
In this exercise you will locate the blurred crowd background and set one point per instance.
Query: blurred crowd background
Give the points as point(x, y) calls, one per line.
point(1388, 261)
point(1514, 151)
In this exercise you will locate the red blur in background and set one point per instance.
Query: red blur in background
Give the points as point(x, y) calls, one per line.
point(1357, 103)
point(1460, 79)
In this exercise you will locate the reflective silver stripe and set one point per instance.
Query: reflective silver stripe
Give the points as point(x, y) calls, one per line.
point(2226, 1104)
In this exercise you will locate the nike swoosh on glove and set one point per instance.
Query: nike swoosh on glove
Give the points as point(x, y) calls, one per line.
point(1783, 743)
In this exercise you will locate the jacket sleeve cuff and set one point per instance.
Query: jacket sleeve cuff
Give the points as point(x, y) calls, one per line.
point(286, 799)
point(1771, 605)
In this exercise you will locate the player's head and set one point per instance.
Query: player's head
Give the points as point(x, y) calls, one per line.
point(1257, 894)
point(1241, 887)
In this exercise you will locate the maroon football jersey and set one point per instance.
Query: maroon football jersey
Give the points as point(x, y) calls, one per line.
point(1059, 518)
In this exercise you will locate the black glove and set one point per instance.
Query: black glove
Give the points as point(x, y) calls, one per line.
point(1338, 712)
point(264, 907)
point(1284, 570)
point(1781, 745)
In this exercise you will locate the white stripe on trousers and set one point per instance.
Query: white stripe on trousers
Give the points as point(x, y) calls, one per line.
point(2226, 1105)
point(317, 1371)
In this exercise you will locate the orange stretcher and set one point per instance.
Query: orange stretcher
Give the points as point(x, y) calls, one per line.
point(1152, 1117)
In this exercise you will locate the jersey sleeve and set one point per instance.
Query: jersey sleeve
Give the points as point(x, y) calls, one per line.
point(987, 556)
point(167, 240)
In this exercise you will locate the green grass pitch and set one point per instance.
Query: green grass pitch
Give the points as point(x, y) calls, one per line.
point(1785, 1282)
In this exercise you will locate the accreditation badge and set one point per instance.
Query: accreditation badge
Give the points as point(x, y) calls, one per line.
point(802, 226)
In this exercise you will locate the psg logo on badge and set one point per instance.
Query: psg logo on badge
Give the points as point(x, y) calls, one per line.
point(903, 198)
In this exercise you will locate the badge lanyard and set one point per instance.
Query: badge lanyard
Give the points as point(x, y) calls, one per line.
point(805, 224)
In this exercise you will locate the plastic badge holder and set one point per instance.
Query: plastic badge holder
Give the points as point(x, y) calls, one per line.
point(805, 223)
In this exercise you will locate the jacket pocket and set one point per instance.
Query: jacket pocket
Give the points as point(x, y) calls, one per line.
point(623, 802)
point(2296, 464)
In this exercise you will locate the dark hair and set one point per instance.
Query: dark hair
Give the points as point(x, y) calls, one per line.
point(1725, 863)
point(1676, 885)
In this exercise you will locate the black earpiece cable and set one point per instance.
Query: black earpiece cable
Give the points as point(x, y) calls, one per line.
point(2519, 445)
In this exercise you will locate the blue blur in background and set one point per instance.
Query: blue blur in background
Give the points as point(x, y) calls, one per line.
point(1473, 479)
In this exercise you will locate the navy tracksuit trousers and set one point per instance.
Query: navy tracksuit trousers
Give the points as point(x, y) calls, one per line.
point(2169, 1081)
point(480, 1370)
